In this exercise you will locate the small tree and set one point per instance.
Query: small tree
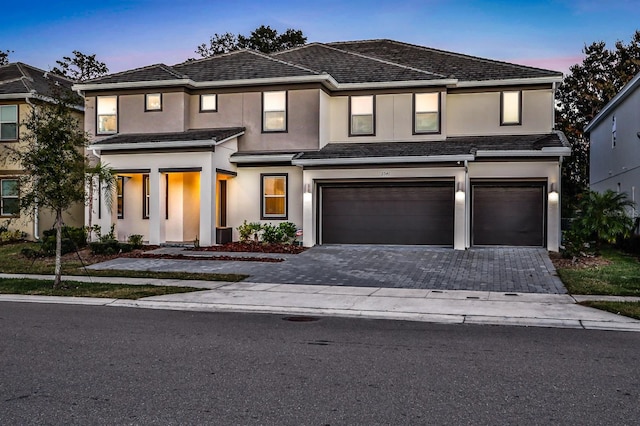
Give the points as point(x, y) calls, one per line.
point(80, 67)
point(4, 56)
point(104, 178)
point(51, 154)
point(263, 39)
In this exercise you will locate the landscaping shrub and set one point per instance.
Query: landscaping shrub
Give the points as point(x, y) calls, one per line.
point(248, 230)
point(30, 253)
point(7, 236)
point(73, 238)
point(135, 240)
point(600, 218)
point(109, 247)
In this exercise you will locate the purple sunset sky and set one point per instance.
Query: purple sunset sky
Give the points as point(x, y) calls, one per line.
point(129, 34)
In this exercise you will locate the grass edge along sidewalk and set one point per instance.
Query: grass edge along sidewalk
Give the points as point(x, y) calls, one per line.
point(44, 287)
point(618, 274)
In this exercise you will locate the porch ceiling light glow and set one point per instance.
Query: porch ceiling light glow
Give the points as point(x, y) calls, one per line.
point(553, 194)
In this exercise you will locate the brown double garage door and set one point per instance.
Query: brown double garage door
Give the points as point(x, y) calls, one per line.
point(423, 213)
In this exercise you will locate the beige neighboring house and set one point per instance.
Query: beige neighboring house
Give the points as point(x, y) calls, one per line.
point(20, 85)
point(364, 142)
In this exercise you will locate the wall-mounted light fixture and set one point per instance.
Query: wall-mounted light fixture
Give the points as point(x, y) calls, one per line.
point(460, 192)
point(307, 188)
point(553, 194)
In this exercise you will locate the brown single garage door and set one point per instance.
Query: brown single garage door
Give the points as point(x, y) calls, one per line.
point(407, 213)
point(509, 215)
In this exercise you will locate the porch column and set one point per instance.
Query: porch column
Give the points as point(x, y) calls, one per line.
point(207, 206)
point(462, 194)
point(308, 230)
point(157, 206)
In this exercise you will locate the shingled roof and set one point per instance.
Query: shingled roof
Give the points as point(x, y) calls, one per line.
point(214, 135)
point(18, 78)
point(451, 146)
point(366, 61)
point(347, 67)
point(456, 65)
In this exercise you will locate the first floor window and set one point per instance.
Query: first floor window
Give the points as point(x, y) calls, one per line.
point(274, 111)
point(145, 196)
point(120, 196)
point(362, 118)
point(153, 102)
point(427, 112)
point(274, 196)
point(107, 114)
point(9, 197)
point(511, 108)
point(8, 122)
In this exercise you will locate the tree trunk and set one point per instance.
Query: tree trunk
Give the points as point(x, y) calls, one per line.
point(90, 227)
point(58, 271)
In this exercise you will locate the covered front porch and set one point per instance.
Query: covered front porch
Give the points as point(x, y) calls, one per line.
point(167, 195)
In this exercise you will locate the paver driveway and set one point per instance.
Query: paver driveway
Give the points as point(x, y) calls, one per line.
point(525, 270)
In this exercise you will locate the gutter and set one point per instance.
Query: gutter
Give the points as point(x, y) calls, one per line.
point(511, 82)
point(544, 152)
point(382, 160)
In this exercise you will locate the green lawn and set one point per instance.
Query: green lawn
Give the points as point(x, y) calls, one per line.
point(74, 288)
point(620, 278)
point(12, 262)
point(628, 309)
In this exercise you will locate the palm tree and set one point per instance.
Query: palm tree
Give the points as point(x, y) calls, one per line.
point(105, 178)
point(604, 216)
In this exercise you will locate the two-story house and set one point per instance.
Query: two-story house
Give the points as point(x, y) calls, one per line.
point(614, 135)
point(20, 86)
point(366, 142)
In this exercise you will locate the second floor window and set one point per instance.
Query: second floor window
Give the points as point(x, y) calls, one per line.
point(274, 111)
point(153, 102)
point(8, 122)
point(208, 103)
point(9, 197)
point(362, 118)
point(427, 113)
point(511, 108)
point(107, 110)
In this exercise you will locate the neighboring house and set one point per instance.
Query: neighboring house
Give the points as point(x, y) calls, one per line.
point(366, 142)
point(614, 136)
point(20, 85)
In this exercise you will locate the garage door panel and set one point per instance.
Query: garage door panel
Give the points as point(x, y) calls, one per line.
point(370, 214)
point(508, 215)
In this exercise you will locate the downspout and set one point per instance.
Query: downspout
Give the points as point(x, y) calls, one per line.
point(36, 219)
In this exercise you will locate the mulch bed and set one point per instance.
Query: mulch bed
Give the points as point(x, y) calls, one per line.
point(254, 247)
point(142, 255)
point(581, 262)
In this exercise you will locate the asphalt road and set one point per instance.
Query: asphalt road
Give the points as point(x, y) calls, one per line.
point(62, 364)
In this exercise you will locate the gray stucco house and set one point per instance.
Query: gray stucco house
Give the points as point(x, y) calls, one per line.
point(614, 137)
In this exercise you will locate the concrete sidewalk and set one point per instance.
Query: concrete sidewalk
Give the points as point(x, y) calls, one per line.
point(439, 306)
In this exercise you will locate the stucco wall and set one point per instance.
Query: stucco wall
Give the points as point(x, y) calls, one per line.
point(393, 119)
point(620, 165)
point(244, 196)
point(469, 114)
